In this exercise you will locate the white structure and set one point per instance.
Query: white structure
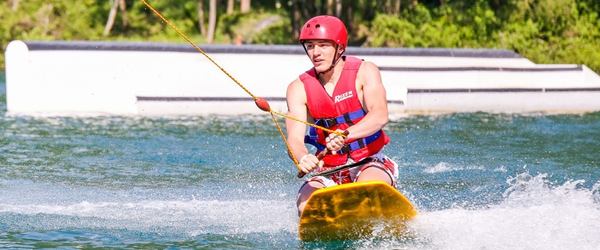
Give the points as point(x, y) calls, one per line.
point(101, 78)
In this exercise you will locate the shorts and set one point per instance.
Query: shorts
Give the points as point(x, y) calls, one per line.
point(351, 175)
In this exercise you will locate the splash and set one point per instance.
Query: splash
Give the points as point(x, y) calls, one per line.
point(187, 212)
point(192, 217)
point(443, 167)
point(533, 215)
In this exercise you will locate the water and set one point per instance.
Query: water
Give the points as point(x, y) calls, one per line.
point(494, 181)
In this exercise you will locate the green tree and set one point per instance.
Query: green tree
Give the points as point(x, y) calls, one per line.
point(547, 31)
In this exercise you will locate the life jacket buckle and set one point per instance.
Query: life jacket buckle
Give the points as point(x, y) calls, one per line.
point(327, 122)
point(344, 150)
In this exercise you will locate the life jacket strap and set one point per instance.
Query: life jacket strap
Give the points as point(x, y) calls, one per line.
point(312, 138)
point(345, 118)
point(361, 143)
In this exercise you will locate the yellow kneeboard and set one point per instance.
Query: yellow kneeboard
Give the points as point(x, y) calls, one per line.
point(354, 210)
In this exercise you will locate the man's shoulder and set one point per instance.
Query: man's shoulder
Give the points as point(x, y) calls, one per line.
point(368, 68)
point(295, 91)
point(296, 85)
point(368, 65)
point(296, 82)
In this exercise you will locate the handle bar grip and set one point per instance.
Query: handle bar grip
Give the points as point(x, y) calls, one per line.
point(321, 155)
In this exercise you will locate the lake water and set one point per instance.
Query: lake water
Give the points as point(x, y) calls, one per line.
point(479, 180)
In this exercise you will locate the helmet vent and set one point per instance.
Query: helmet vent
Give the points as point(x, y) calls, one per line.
point(324, 27)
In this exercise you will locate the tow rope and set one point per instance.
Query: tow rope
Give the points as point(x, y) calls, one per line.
point(261, 103)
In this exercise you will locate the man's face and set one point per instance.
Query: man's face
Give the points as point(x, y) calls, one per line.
point(321, 53)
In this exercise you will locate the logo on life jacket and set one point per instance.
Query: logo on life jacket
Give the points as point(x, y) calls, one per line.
point(344, 96)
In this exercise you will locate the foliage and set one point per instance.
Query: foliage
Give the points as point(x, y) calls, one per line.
point(43, 20)
point(255, 27)
point(546, 31)
point(277, 33)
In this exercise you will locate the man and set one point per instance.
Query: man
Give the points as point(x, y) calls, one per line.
point(341, 93)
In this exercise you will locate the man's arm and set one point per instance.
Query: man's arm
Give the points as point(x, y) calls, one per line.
point(296, 102)
point(375, 102)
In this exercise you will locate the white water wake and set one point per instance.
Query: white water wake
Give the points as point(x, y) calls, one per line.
point(533, 215)
point(39, 207)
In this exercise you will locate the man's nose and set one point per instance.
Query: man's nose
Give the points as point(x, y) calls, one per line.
point(318, 50)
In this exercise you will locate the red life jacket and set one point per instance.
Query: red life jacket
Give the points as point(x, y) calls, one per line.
point(339, 112)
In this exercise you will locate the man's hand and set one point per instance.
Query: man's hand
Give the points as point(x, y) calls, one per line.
point(335, 142)
point(309, 162)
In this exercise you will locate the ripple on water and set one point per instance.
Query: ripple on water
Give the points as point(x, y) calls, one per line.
point(226, 182)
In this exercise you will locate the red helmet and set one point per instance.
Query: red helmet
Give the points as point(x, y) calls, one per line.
point(325, 28)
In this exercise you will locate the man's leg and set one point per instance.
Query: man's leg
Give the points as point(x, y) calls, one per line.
point(305, 191)
point(385, 170)
point(374, 173)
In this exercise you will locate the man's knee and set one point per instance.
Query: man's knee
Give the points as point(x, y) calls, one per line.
point(375, 173)
point(305, 191)
point(308, 188)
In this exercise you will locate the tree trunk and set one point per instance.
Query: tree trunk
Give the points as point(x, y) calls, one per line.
point(350, 16)
point(212, 21)
point(230, 6)
point(338, 8)
point(397, 7)
point(330, 4)
point(245, 6)
point(369, 10)
point(201, 18)
point(14, 5)
point(308, 8)
point(123, 9)
point(387, 7)
point(111, 18)
point(296, 18)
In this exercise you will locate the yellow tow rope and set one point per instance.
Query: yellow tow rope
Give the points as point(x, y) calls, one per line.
point(260, 102)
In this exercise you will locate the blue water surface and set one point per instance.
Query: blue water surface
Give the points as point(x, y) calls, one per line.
point(479, 180)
